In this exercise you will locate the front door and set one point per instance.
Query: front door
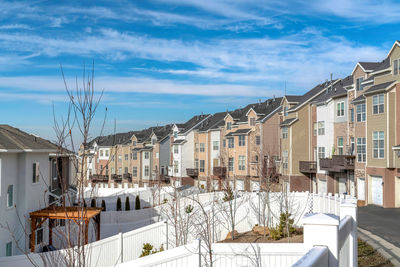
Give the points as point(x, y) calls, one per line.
point(342, 185)
point(361, 189)
point(377, 190)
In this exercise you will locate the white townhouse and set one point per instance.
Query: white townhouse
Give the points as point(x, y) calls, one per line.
point(28, 182)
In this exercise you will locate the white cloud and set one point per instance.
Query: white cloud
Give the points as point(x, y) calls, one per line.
point(15, 26)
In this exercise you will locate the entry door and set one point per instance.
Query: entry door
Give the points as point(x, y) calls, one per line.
point(342, 185)
point(239, 185)
point(322, 187)
point(377, 194)
point(361, 189)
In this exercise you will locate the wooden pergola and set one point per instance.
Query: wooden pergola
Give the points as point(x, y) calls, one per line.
point(76, 214)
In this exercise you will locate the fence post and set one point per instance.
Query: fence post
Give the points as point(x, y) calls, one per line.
point(322, 230)
point(348, 208)
point(200, 252)
point(166, 233)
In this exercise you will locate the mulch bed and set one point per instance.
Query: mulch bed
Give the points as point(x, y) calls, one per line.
point(253, 237)
point(369, 257)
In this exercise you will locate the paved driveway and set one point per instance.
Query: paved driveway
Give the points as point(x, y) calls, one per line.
point(384, 223)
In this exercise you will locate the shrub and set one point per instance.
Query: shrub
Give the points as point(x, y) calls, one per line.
point(165, 201)
point(148, 249)
point(137, 203)
point(119, 204)
point(189, 209)
point(93, 203)
point(103, 205)
point(228, 195)
point(284, 228)
point(127, 204)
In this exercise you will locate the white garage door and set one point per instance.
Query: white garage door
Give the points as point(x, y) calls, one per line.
point(377, 194)
point(322, 187)
point(255, 186)
point(342, 185)
point(239, 185)
point(361, 188)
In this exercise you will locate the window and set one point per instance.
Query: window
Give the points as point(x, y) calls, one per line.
point(176, 149)
point(196, 147)
point(112, 158)
point(378, 139)
point(352, 115)
point(231, 164)
point(202, 147)
point(126, 157)
point(215, 145)
point(359, 86)
point(285, 109)
point(176, 169)
point(242, 163)
point(157, 155)
point(315, 129)
point(9, 249)
point(119, 170)
point(321, 152)
point(134, 171)
point(112, 170)
point(101, 153)
point(252, 121)
point(284, 132)
point(54, 169)
point(258, 140)
point(106, 170)
point(361, 112)
point(134, 155)
point(242, 140)
point(229, 125)
point(119, 158)
point(35, 172)
point(196, 163)
point(340, 109)
point(107, 153)
point(340, 145)
point(10, 196)
point(321, 128)
point(351, 145)
point(134, 143)
point(231, 143)
point(202, 163)
point(361, 149)
point(378, 104)
point(39, 236)
point(396, 67)
point(285, 159)
point(153, 141)
point(146, 155)
point(175, 134)
point(126, 169)
point(146, 170)
point(224, 142)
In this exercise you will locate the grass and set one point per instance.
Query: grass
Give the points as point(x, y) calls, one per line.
point(369, 257)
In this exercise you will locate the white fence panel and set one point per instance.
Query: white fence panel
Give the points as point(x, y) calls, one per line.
point(104, 253)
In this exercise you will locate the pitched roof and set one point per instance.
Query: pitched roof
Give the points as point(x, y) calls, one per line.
point(239, 132)
point(359, 99)
point(337, 90)
point(14, 139)
point(288, 122)
point(311, 94)
point(184, 127)
point(369, 66)
point(378, 87)
point(212, 122)
point(384, 64)
point(179, 141)
point(262, 109)
point(293, 98)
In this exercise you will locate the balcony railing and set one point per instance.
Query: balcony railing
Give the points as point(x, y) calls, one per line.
point(98, 178)
point(308, 166)
point(337, 163)
point(127, 176)
point(219, 171)
point(116, 177)
point(191, 172)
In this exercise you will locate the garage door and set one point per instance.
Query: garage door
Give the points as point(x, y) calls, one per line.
point(361, 188)
point(239, 185)
point(255, 186)
point(342, 185)
point(322, 187)
point(377, 194)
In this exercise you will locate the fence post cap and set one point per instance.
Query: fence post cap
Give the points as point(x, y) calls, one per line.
point(320, 219)
point(348, 204)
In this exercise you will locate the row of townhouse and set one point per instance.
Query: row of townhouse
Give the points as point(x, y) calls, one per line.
point(33, 174)
point(343, 136)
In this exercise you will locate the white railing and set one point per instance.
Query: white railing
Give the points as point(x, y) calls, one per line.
point(315, 257)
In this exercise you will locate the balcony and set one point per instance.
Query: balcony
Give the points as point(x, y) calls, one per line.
point(338, 163)
point(219, 171)
point(98, 178)
point(191, 172)
point(116, 178)
point(308, 166)
point(127, 176)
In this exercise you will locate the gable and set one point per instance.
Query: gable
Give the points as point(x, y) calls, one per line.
point(394, 47)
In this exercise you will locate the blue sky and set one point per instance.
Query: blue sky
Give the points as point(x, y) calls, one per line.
point(162, 61)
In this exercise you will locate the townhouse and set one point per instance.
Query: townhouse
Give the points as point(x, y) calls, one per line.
point(34, 173)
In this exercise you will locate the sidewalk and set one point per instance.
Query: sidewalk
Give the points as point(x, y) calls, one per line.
point(388, 250)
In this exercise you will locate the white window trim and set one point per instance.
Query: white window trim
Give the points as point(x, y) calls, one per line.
point(340, 109)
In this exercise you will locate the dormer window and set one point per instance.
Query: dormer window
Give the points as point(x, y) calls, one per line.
point(285, 109)
point(396, 67)
point(134, 143)
point(359, 86)
point(175, 134)
point(252, 121)
point(229, 125)
point(153, 141)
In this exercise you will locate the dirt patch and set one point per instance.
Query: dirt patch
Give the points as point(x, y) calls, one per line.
point(253, 237)
point(369, 257)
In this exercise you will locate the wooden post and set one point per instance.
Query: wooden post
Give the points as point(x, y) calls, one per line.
point(33, 233)
point(86, 231)
point(51, 225)
point(98, 226)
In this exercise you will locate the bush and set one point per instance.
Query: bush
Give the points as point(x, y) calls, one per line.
point(228, 194)
point(119, 204)
point(93, 203)
point(165, 201)
point(127, 204)
point(137, 203)
point(103, 205)
point(148, 249)
point(189, 209)
point(284, 228)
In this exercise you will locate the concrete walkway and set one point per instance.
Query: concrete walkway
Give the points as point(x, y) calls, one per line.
point(386, 249)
